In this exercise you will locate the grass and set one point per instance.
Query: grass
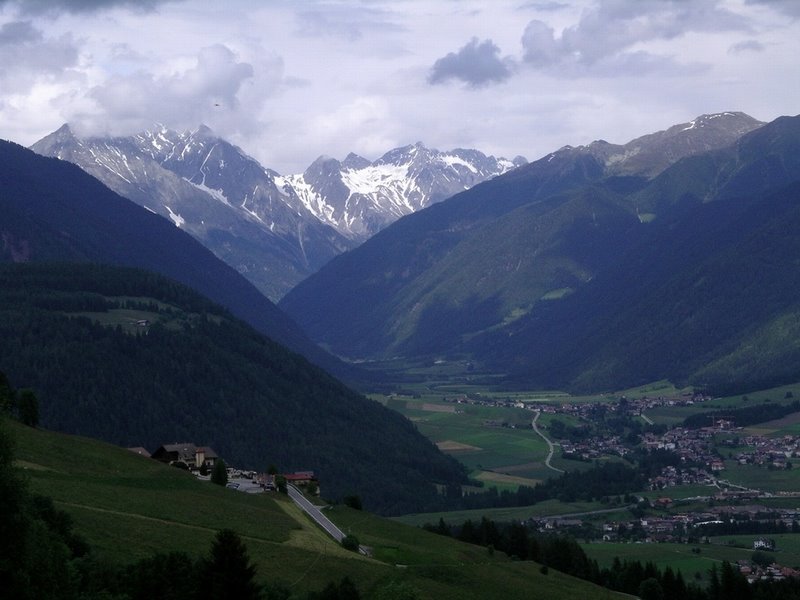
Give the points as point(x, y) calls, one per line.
point(677, 556)
point(778, 480)
point(128, 507)
point(787, 546)
point(505, 514)
point(681, 557)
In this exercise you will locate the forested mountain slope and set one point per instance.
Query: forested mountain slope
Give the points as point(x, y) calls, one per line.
point(564, 273)
point(52, 210)
point(76, 335)
point(488, 255)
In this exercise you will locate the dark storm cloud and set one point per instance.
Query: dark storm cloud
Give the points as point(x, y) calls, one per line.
point(477, 64)
point(80, 6)
point(606, 34)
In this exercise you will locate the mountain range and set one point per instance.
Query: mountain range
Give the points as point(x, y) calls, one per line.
point(584, 269)
point(274, 230)
point(54, 211)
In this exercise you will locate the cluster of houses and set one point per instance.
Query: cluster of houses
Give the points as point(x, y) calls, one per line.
point(633, 406)
point(678, 527)
point(185, 455)
point(773, 572)
point(767, 452)
point(201, 460)
point(594, 447)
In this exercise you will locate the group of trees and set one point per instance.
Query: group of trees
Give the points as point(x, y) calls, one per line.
point(646, 581)
point(21, 404)
point(599, 481)
point(745, 416)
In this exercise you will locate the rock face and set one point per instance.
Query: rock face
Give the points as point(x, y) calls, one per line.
point(215, 192)
point(359, 198)
point(274, 230)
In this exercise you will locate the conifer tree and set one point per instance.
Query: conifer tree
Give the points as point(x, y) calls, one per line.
point(228, 572)
point(219, 473)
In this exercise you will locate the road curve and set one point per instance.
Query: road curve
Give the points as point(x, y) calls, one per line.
point(549, 444)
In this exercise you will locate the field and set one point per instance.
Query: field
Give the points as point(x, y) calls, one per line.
point(128, 507)
point(695, 560)
point(547, 508)
point(680, 557)
point(496, 443)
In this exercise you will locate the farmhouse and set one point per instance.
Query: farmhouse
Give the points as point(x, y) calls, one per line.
point(193, 457)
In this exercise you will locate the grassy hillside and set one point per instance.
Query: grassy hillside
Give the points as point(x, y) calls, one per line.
point(128, 507)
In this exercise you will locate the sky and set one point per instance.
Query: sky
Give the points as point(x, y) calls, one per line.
point(290, 80)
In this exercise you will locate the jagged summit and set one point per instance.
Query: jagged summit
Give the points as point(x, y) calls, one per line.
point(359, 197)
point(274, 229)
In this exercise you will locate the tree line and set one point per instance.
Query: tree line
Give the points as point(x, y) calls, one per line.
point(744, 416)
point(645, 580)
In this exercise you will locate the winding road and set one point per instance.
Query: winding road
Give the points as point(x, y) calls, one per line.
point(550, 444)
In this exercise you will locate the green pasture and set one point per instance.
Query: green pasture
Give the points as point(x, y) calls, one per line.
point(679, 492)
point(486, 444)
point(762, 478)
point(679, 557)
point(787, 546)
point(128, 507)
point(548, 508)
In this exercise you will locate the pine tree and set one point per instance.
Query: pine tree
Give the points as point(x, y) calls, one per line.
point(227, 572)
point(219, 474)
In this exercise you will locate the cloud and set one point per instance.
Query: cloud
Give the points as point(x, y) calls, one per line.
point(544, 6)
point(81, 6)
point(343, 21)
point(613, 30)
point(28, 57)
point(789, 7)
point(477, 64)
point(209, 92)
point(746, 46)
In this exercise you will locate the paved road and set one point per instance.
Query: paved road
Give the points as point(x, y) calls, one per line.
point(315, 513)
point(549, 444)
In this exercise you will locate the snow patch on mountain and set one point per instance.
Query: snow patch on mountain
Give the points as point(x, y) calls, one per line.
point(176, 218)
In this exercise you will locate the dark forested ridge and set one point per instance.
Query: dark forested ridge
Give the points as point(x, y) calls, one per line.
point(52, 210)
point(563, 275)
point(195, 373)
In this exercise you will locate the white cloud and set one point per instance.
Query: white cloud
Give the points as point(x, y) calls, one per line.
point(294, 80)
point(611, 37)
point(210, 91)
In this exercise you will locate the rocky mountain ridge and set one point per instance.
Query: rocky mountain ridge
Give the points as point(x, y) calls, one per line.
point(274, 230)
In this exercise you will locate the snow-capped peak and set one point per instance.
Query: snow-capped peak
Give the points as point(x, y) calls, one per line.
point(359, 197)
